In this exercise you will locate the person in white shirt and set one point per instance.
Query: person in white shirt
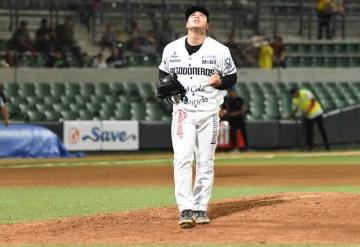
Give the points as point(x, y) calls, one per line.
point(206, 69)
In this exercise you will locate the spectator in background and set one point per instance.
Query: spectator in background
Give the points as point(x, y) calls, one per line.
point(165, 34)
point(279, 52)
point(4, 111)
point(11, 58)
point(266, 54)
point(234, 111)
point(241, 59)
point(99, 61)
point(85, 60)
point(65, 39)
point(56, 60)
point(44, 38)
point(109, 38)
point(21, 40)
point(140, 41)
point(325, 12)
point(115, 60)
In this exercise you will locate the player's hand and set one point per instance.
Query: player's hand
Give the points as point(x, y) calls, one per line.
point(214, 80)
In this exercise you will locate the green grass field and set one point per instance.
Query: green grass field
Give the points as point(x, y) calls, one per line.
point(24, 204)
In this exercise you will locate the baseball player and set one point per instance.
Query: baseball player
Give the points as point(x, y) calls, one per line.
point(4, 111)
point(305, 101)
point(205, 69)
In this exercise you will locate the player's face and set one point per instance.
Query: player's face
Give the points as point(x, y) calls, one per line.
point(197, 20)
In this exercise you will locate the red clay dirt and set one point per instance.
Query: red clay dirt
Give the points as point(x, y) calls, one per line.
point(276, 218)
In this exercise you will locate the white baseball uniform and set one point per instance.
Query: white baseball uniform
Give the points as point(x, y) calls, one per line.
point(195, 121)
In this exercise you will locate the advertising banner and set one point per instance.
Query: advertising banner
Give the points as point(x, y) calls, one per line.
point(101, 135)
point(120, 135)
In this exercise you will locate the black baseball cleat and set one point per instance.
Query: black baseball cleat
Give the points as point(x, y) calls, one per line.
point(201, 217)
point(186, 219)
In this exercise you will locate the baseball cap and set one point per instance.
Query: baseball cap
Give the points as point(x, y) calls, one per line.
point(196, 8)
point(293, 90)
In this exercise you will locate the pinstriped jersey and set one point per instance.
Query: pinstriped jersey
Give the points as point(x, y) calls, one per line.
point(193, 72)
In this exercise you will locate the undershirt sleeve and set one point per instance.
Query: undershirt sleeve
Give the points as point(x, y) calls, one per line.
point(227, 82)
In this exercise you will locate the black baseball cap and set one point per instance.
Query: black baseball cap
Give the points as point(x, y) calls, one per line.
point(293, 90)
point(193, 9)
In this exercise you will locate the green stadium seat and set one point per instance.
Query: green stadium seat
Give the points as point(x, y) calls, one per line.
point(67, 99)
point(121, 115)
point(42, 89)
point(293, 61)
point(111, 99)
point(329, 49)
point(50, 100)
point(106, 114)
point(57, 89)
point(93, 107)
point(102, 89)
point(52, 116)
point(69, 115)
point(60, 107)
point(15, 112)
point(87, 89)
point(304, 48)
point(82, 99)
point(35, 116)
point(25, 107)
point(319, 61)
point(32, 100)
point(344, 62)
point(341, 48)
point(26, 89)
point(131, 89)
point(43, 107)
point(292, 48)
point(72, 89)
point(85, 115)
point(138, 111)
point(117, 88)
point(11, 89)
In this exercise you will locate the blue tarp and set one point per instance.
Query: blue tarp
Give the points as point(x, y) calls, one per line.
point(19, 140)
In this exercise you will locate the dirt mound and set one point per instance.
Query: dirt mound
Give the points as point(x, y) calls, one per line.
point(277, 218)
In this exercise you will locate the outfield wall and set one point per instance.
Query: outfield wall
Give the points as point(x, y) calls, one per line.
point(150, 74)
point(341, 125)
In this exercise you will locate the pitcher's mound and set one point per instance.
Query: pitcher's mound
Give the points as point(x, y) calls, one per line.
point(277, 218)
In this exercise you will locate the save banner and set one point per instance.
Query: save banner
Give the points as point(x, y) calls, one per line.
point(101, 135)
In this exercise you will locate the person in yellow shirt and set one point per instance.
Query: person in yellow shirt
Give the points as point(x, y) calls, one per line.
point(266, 55)
point(325, 11)
point(305, 101)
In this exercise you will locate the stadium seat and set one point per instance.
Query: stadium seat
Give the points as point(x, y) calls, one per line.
point(11, 89)
point(49, 100)
point(35, 116)
point(85, 115)
point(52, 116)
point(72, 89)
point(42, 89)
point(69, 115)
point(15, 112)
point(87, 89)
point(57, 89)
point(26, 89)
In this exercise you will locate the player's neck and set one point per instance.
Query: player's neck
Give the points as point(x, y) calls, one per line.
point(196, 37)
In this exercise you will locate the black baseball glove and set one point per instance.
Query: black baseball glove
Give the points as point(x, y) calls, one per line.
point(170, 86)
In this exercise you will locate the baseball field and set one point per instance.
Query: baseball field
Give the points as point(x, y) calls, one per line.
point(259, 199)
